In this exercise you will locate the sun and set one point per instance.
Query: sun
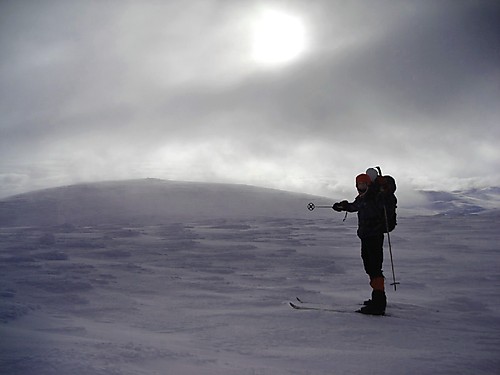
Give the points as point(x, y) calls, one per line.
point(277, 38)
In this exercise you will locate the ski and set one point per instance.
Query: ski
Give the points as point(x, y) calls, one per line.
point(318, 304)
point(303, 307)
point(318, 307)
point(312, 304)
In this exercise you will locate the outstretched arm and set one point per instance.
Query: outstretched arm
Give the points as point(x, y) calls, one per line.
point(346, 206)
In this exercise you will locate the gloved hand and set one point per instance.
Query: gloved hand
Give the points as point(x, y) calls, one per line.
point(340, 206)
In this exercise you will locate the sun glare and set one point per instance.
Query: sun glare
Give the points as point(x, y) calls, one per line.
point(277, 38)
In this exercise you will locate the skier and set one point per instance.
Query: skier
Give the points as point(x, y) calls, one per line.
point(370, 208)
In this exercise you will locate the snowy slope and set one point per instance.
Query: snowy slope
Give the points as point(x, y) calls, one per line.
point(155, 277)
point(462, 202)
point(148, 201)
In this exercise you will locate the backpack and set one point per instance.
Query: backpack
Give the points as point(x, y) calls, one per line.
point(387, 187)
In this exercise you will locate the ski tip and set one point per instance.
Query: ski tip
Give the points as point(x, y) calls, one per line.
point(293, 305)
point(298, 299)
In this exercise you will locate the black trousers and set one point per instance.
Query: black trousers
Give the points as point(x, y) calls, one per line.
point(372, 253)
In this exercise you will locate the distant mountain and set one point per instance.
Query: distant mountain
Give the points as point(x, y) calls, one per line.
point(472, 201)
point(149, 201)
point(153, 201)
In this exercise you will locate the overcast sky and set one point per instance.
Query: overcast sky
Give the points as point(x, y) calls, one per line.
point(104, 90)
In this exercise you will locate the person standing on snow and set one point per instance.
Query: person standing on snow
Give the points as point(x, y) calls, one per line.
point(370, 208)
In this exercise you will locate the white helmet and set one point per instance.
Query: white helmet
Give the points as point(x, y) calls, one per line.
point(372, 172)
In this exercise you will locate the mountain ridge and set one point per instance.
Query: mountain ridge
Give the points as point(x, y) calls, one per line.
point(152, 201)
point(148, 201)
point(462, 202)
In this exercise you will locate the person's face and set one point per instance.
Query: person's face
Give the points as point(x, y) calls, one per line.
point(362, 187)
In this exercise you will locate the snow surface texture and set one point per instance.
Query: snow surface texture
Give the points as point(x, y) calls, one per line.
point(152, 277)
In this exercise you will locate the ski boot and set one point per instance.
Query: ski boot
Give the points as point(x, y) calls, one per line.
point(375, 306)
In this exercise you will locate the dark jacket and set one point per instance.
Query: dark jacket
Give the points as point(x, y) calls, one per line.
point(370, 209)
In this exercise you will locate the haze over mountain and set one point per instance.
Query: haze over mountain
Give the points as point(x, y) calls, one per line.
point(149, 201)
point(152, 201)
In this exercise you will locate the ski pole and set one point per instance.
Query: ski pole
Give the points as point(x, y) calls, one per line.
point(311, 206)
point(390, 249)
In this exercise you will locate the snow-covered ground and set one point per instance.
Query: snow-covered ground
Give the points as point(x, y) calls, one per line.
point(153, 277)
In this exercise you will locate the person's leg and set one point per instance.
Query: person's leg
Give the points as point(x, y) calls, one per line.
point(372, 253)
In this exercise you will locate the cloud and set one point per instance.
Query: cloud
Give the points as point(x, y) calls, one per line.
point(162, 89)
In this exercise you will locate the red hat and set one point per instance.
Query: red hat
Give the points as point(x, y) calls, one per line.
point(363, 177)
